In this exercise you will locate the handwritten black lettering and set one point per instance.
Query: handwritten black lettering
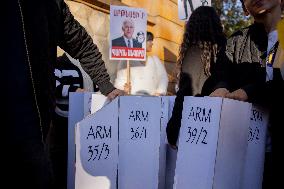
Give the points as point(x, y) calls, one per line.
point(138, 133)
point(253, 134)
point(128, 14)
point(200, 114)
point(138, 115)
point(98, 152)
point(256, 115)
point(99, 132)
point(196, 135)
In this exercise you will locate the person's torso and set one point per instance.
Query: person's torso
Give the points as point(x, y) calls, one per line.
point(244, 50)
point(144, 77)
point(193, 66)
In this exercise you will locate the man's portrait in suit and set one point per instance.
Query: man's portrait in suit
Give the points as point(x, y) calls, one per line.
point(127, 39)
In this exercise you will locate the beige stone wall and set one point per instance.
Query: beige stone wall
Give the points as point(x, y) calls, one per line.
point(168, 31)
point(97, 25)
point(162, 21)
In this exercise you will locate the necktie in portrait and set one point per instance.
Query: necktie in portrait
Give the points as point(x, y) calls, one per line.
point(128, 43)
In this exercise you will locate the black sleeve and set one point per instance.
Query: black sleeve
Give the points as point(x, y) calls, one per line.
point(174, 124)
point(220, 72)
point(79, 45)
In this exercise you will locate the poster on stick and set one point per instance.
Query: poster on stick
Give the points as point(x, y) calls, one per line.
point(127, 33)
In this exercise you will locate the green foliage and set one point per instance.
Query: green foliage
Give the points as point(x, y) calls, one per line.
point(232, 15)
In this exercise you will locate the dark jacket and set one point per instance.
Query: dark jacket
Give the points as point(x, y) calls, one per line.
point(120, 42)
point(48, 24)
point(245, 51)
point(240, 66)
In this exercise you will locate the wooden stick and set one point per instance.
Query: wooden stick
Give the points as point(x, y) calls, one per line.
point(128, 77)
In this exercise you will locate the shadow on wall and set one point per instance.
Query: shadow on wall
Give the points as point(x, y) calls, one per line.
point(170, 60)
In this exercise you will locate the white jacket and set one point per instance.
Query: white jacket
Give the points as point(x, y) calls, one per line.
point(146, 79)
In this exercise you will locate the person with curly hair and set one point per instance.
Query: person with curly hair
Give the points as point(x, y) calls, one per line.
point(203, 39)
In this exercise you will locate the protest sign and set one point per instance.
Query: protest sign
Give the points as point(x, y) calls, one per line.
point(232, 144)
point(97, 149)
point(98, 101)
point(127, 33)
point(87, 103)
point(139, 142)
point(255, 155)
point(212, 143)
point(80, 105)
point(76, 114)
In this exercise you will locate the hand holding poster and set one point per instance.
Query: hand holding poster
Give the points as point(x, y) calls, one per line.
point(127, 33)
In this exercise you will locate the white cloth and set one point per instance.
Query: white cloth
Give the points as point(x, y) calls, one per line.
point(146, 79)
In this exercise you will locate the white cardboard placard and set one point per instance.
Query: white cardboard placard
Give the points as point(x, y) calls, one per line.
point(255, 156)
point(135, 31)
point(171, 153)
point(97, 149)
point(80, 105)
point(87, 103)
point(94, 102)
point(139, 141)
point(163, 141)
point(98, 101)
point(212, 143)
point(198, 143)
point(76, 114)
point(232, 144)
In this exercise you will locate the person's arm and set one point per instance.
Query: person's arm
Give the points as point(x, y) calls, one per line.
point(249, 76)
point(220, 72)
point(76, 42)
point(220, 78)
point(174, 124)
point(162, 77)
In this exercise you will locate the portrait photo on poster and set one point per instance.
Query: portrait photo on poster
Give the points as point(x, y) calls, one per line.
point(127, 33)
